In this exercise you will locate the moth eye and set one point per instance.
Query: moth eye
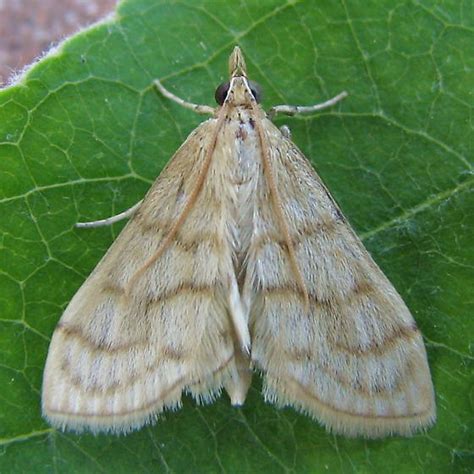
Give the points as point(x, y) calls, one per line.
point(221, 92)
point(256, 91)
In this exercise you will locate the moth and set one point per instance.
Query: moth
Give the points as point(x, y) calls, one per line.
point(238, 260)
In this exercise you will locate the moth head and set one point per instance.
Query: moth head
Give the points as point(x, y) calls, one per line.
point(238, 89)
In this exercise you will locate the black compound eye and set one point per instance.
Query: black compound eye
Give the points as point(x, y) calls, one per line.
point(256, 91)
point(221, 92)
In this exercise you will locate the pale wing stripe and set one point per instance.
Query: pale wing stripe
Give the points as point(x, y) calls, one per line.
point(336, 409)
point(150, 404)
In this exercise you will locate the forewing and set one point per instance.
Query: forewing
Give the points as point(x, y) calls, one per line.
point(126, 347)
point(354, 359)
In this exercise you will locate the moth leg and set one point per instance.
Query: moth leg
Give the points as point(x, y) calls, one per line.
point(305, 109)
point(285, 131)
point(110, 220)
point(200, 109)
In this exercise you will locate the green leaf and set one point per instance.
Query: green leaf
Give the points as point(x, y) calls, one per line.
point(83, 134)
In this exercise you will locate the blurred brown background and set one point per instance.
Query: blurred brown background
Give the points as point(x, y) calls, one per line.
point(29, 27)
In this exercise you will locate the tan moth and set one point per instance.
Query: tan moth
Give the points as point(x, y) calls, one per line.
point(238, 259)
